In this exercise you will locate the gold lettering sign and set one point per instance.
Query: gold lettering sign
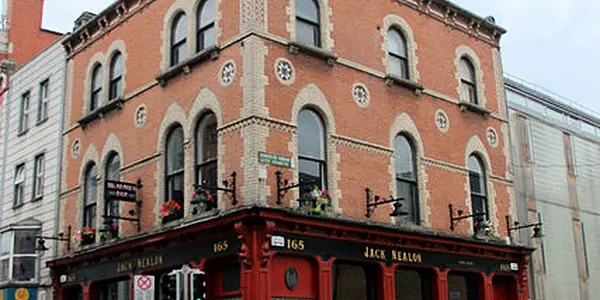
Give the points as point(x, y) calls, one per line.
point(407, 257)
point(374, 253)
point(295, 244)
point(466, 262)
point(505, 267)
point(220, 246)
point(139, 263)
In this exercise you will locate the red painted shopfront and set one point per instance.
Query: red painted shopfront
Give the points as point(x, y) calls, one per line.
point(262, 253)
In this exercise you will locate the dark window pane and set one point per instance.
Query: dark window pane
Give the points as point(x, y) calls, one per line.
point(207, 13)
point(117, 290)
point(25, 241)
point(175, 151)
point(398, 67)
point(408, 191)
point(308, 10)
point(116, 66)
point(179, 29)
point(231, 277)
point(462, 287)
point(24, 268)
point(466, 71)
point(405, 158)
point(97, 78)
point(307, 33)
point(4, 269)
point(311, 135)
point(412, 285)
point(91, 186)
point(353, 282)
point(312, 172)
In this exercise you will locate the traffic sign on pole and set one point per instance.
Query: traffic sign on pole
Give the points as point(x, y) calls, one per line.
point(143, 287)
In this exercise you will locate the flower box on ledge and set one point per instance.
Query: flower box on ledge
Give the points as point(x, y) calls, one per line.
point(86, 236)
point(170, 211)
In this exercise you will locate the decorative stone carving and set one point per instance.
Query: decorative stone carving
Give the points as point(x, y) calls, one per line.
point(284, 71)
point(492, 137)
point(227, 73)
point(76, 148)
point(442, 122)
point(141, 114)
point(361, 94)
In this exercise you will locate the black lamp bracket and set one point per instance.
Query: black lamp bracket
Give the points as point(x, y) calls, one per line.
point(59, 237)
point(454, 219)
point(229, 188)
point(284, 185)
point(517, 225)
point(374, 201)
point(136, 214)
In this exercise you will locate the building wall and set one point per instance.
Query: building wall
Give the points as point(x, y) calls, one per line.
point(565, 263)
point(258, 111)
point(42, 137)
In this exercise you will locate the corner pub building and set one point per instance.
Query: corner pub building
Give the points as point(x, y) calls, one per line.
point(292, 149)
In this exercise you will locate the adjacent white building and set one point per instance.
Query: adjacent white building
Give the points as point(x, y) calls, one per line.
point(30, 171)
point(556, 161)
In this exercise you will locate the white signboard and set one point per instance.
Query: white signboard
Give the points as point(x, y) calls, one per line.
point(143, 287)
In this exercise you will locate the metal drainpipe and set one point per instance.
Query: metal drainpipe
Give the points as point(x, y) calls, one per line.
point(5, 128)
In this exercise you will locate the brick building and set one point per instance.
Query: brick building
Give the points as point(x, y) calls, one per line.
point(252, 141)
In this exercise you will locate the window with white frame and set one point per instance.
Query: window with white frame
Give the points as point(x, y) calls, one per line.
point(42, 112)
point(19, 185)
point(24, 112)
point(38, 173)
point(18, 260)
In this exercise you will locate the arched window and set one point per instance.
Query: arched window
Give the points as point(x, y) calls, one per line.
point(206, 25)
point(178, 39)
point(112, 174)
point(174, 171)
point(478, 186)
point(116, 77)
point(311, 149)
point(308, 29)
point(89, 197)
point(96, 96)
point(406, 177)
point(468, 88)
point(398, 54)
point(206, 151)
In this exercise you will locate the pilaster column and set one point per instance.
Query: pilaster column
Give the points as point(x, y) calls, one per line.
point(325, 288)
point(442, 284)
point(488, 288)
point(389, 285)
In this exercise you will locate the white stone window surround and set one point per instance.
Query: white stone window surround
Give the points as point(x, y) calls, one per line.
point(476, 147)
point(90, 158)
point(464, 51)
point(104, 60)
point(403, 124)
point(325, 24)
point(190, 9)
point(396, 22)
point(112, 146)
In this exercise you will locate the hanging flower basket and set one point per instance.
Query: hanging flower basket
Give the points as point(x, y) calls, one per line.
point(169, 208)
point(86, 236)
point(315, 202)
point(484, 230)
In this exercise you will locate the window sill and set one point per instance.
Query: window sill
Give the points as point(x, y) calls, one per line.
point(22, 132)
point(115, 104)
point(42, 121)
point(296, 47)
point(18, 206)
point(478, 109)
point(210, 53)
point(38, 199)
point(391, 79)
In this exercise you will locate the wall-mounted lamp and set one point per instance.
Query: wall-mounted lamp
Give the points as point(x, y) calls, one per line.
point(284, 185)
point(41, 240)
point(460, 216)
point(537, 227)
point(229, 188)
point(376, 201)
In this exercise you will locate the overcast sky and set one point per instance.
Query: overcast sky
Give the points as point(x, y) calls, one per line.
point(551, 43)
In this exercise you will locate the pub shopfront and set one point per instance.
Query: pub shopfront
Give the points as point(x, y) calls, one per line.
point(265, 253)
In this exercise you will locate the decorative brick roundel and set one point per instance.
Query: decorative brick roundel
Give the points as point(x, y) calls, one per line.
point(227, 73)
point(441, 120)
point(284, 71)
point(141, 114)
point(76, 148)
point(492, 137)
point(360, 93)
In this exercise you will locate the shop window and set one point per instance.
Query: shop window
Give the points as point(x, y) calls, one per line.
point(311, 150)
point(354, 281)
point(468, 88)
point(89, 197)
point(179, 39)
point(116, 76)
point(206, 25)
point(413, 284)
point(406, 177)
point(398, 54)
point(115, 290)
point(463, 287)
point(478, 186)
point(73, 293)
point(18, 258)
point(96, 95)
point(206, 152)
point(230, 277)
point(308, 29)
point(174, 172)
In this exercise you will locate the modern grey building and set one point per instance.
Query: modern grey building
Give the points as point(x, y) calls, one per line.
point(30, 172)
point(556, 162)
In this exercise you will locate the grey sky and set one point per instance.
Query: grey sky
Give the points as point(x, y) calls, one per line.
point(549, 42)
